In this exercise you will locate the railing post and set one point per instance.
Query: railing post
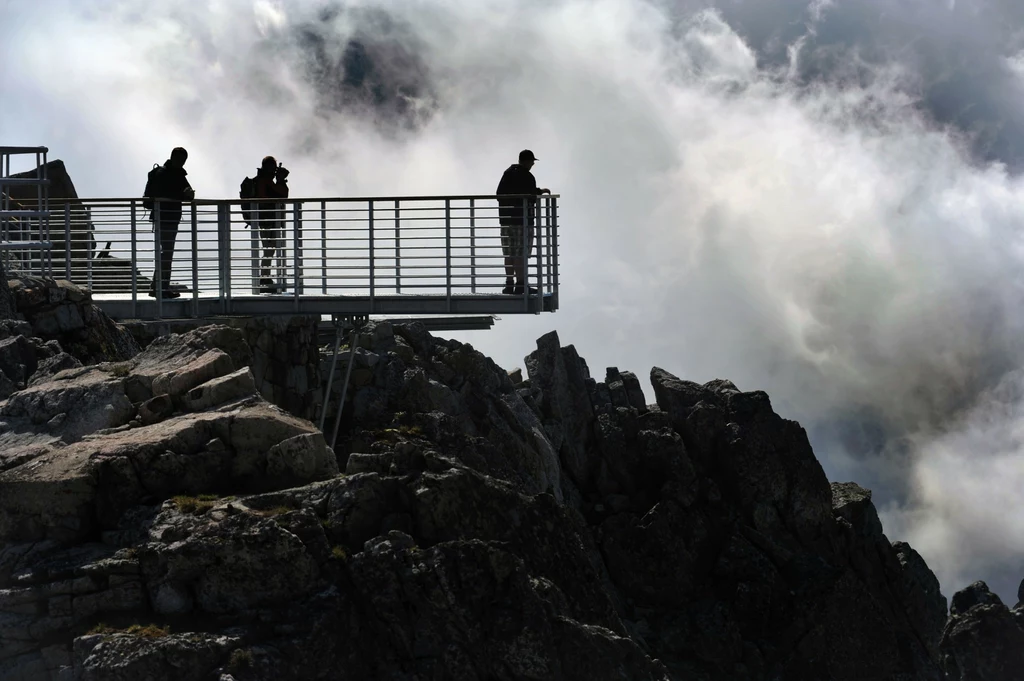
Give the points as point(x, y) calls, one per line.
point(554, 251)
point(135, 269)
point(448, 250)
point(323, 254)
point(67, 240)
point(398, 249)
point(372, 282)
point(158, 285)
point(525, 265)
point(472, 245)
point(195, 261)
point(224, 239)
point(547, 240)
point(297, 245)
point(46, 218)
point(539, 302)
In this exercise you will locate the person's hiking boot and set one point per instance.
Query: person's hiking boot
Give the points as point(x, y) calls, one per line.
point(509, 286)
point(165, 294)
point(518, 291)
point(268, 286)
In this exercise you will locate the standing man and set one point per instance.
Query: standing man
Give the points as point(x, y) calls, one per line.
point(516, 218)
point(166, 188)
point(271, 183)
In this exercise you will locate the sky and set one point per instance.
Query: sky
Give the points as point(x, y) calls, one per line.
point(821, 199)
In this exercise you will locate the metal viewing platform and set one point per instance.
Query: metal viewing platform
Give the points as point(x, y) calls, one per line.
point(408, 255)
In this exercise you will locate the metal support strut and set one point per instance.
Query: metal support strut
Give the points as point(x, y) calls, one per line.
point(356, 323)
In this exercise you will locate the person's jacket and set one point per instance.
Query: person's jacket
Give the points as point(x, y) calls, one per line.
point(266, 188)
point(173, 186)
point(516, 180)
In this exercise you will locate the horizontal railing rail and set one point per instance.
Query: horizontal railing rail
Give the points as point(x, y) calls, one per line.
point(367, 255)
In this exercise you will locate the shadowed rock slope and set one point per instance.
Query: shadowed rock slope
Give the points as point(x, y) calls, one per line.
point(161, 520)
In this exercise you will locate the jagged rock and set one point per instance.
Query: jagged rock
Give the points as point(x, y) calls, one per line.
point(555, 528)
point(559, 375)
point(234, 564)
point(62, 311)
point(922, 600)
point(982, 641)
point(130, 657)
point(17, 359)
point(51, 366)
point(464, 606)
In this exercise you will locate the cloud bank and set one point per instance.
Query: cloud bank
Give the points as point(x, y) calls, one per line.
point(817, 199)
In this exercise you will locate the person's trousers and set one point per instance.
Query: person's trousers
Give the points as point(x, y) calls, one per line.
point(168, 234)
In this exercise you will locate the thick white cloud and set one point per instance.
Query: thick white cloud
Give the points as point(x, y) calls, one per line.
point(723, 214)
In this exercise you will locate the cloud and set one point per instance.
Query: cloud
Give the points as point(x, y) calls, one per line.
point(787, 194)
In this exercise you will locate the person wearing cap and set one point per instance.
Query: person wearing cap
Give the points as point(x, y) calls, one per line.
point(514, 214)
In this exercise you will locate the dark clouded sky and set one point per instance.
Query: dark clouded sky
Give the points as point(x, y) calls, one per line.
point(819, 199)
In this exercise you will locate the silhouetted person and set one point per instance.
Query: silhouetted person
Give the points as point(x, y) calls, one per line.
point(167, 187)
point(513, 215)
point(271, 183)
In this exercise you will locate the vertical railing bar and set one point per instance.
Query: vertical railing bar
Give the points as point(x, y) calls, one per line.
point(525, 269)
point(448, 251)
point(398, 250)
point(323, 256)
point(158, 275)
point(224, 237)
point(472, 245)
point(372, 288)
point(134, 258)
point(297, 246)
point(195, 261)
point(554, 248)
point(255, 248)
point(539, 302)
point(67, 239)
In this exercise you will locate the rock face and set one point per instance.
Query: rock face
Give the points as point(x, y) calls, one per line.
point(86, 458)
point(983, 638)
point(161, 520)
point(285, 357)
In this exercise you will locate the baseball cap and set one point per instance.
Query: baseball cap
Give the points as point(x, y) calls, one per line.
point(527, 155)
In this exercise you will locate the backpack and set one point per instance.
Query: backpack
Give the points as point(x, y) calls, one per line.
point(247, 191)
point(152, 186)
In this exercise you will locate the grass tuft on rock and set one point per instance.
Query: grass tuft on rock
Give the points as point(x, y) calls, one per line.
point(240, 659)
point(197, 505)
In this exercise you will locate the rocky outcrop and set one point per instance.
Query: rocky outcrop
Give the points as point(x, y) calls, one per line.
point(983, 638)
point(557, 527)
point(86, 454)
point(61, 311)
point(284, 359)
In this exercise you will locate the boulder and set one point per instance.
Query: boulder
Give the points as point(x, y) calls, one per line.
point(983, 640)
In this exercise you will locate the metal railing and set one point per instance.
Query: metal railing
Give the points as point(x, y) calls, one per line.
point(389, 255)
point(25, 243)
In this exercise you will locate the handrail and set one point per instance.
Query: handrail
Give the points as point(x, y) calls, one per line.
point(360, 255)
point(306, 199)
point(24, 150)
